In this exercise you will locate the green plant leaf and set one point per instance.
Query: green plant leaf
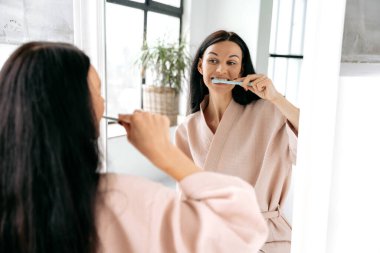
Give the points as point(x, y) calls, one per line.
point(170, 63)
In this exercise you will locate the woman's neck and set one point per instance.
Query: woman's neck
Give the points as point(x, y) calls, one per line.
point(215, 109)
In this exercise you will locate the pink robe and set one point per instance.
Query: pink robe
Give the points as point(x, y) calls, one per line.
point(255, 143)
point(220, 214)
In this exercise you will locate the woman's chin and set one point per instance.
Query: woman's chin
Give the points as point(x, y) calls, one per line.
point(221, 88)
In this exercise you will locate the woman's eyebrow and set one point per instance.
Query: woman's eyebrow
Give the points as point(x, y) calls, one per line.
point(234, 55)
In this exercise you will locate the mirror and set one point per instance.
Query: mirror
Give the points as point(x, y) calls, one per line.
point(274, 36)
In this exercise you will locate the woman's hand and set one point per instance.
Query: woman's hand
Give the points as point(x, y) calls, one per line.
point(262, 86)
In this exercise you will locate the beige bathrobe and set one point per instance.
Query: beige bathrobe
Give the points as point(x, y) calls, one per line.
point(220, 214)
point(255, 143)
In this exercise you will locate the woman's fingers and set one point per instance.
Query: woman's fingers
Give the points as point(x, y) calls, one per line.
point(260, 84)
point(253, 79)
point(125, 121)
point(249, 82)
point(125, 118)
point(250, 77)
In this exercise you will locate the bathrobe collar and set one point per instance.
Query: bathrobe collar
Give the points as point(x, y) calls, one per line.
point(223, 132)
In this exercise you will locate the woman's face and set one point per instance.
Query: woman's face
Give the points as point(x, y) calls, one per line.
point(222, 60)
point(97, 99)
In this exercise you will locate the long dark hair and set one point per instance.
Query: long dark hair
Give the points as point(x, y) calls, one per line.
point(198, 89)
point(48, 151)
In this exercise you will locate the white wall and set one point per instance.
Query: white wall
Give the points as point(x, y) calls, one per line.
point(89, 31)
point(240, 16)
point(355, 178)
point(318, 99)
point(337, 177)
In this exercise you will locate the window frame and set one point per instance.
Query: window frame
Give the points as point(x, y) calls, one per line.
point(274, 55)
point(152, 6)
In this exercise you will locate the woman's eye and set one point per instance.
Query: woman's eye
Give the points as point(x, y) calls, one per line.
point(213, 61)
point(231, 63)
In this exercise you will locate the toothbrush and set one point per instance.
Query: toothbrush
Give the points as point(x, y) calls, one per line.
point(116, 120)
point(216, 81)
point(110, 118)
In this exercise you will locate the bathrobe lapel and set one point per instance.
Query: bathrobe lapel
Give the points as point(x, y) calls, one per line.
point(223, 132)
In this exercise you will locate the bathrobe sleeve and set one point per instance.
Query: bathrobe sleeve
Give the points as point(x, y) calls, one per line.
point(220, 214)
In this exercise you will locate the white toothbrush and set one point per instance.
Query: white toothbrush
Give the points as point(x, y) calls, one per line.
point(228, 82)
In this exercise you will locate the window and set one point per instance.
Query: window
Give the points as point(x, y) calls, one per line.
point(128, 23)
point(176, 3)
point(286, 46)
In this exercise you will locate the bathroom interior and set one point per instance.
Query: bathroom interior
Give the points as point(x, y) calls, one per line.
point(324, 56)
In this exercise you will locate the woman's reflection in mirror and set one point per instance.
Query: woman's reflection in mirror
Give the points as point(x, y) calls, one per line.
point(247, 130)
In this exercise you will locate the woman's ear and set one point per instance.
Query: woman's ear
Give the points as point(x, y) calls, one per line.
point(200, 70)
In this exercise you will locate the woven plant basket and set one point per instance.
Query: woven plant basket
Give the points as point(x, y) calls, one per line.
point(161, 100)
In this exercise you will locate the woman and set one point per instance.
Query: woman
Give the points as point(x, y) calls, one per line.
point(53, 199)
point(245, 131)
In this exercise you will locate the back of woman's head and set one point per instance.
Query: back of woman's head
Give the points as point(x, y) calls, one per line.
point(48, 151)
point(198, 89)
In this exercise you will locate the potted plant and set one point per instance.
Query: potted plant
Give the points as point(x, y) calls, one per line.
point(167, 66)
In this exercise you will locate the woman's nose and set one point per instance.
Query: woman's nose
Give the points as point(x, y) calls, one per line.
point(222, 68)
